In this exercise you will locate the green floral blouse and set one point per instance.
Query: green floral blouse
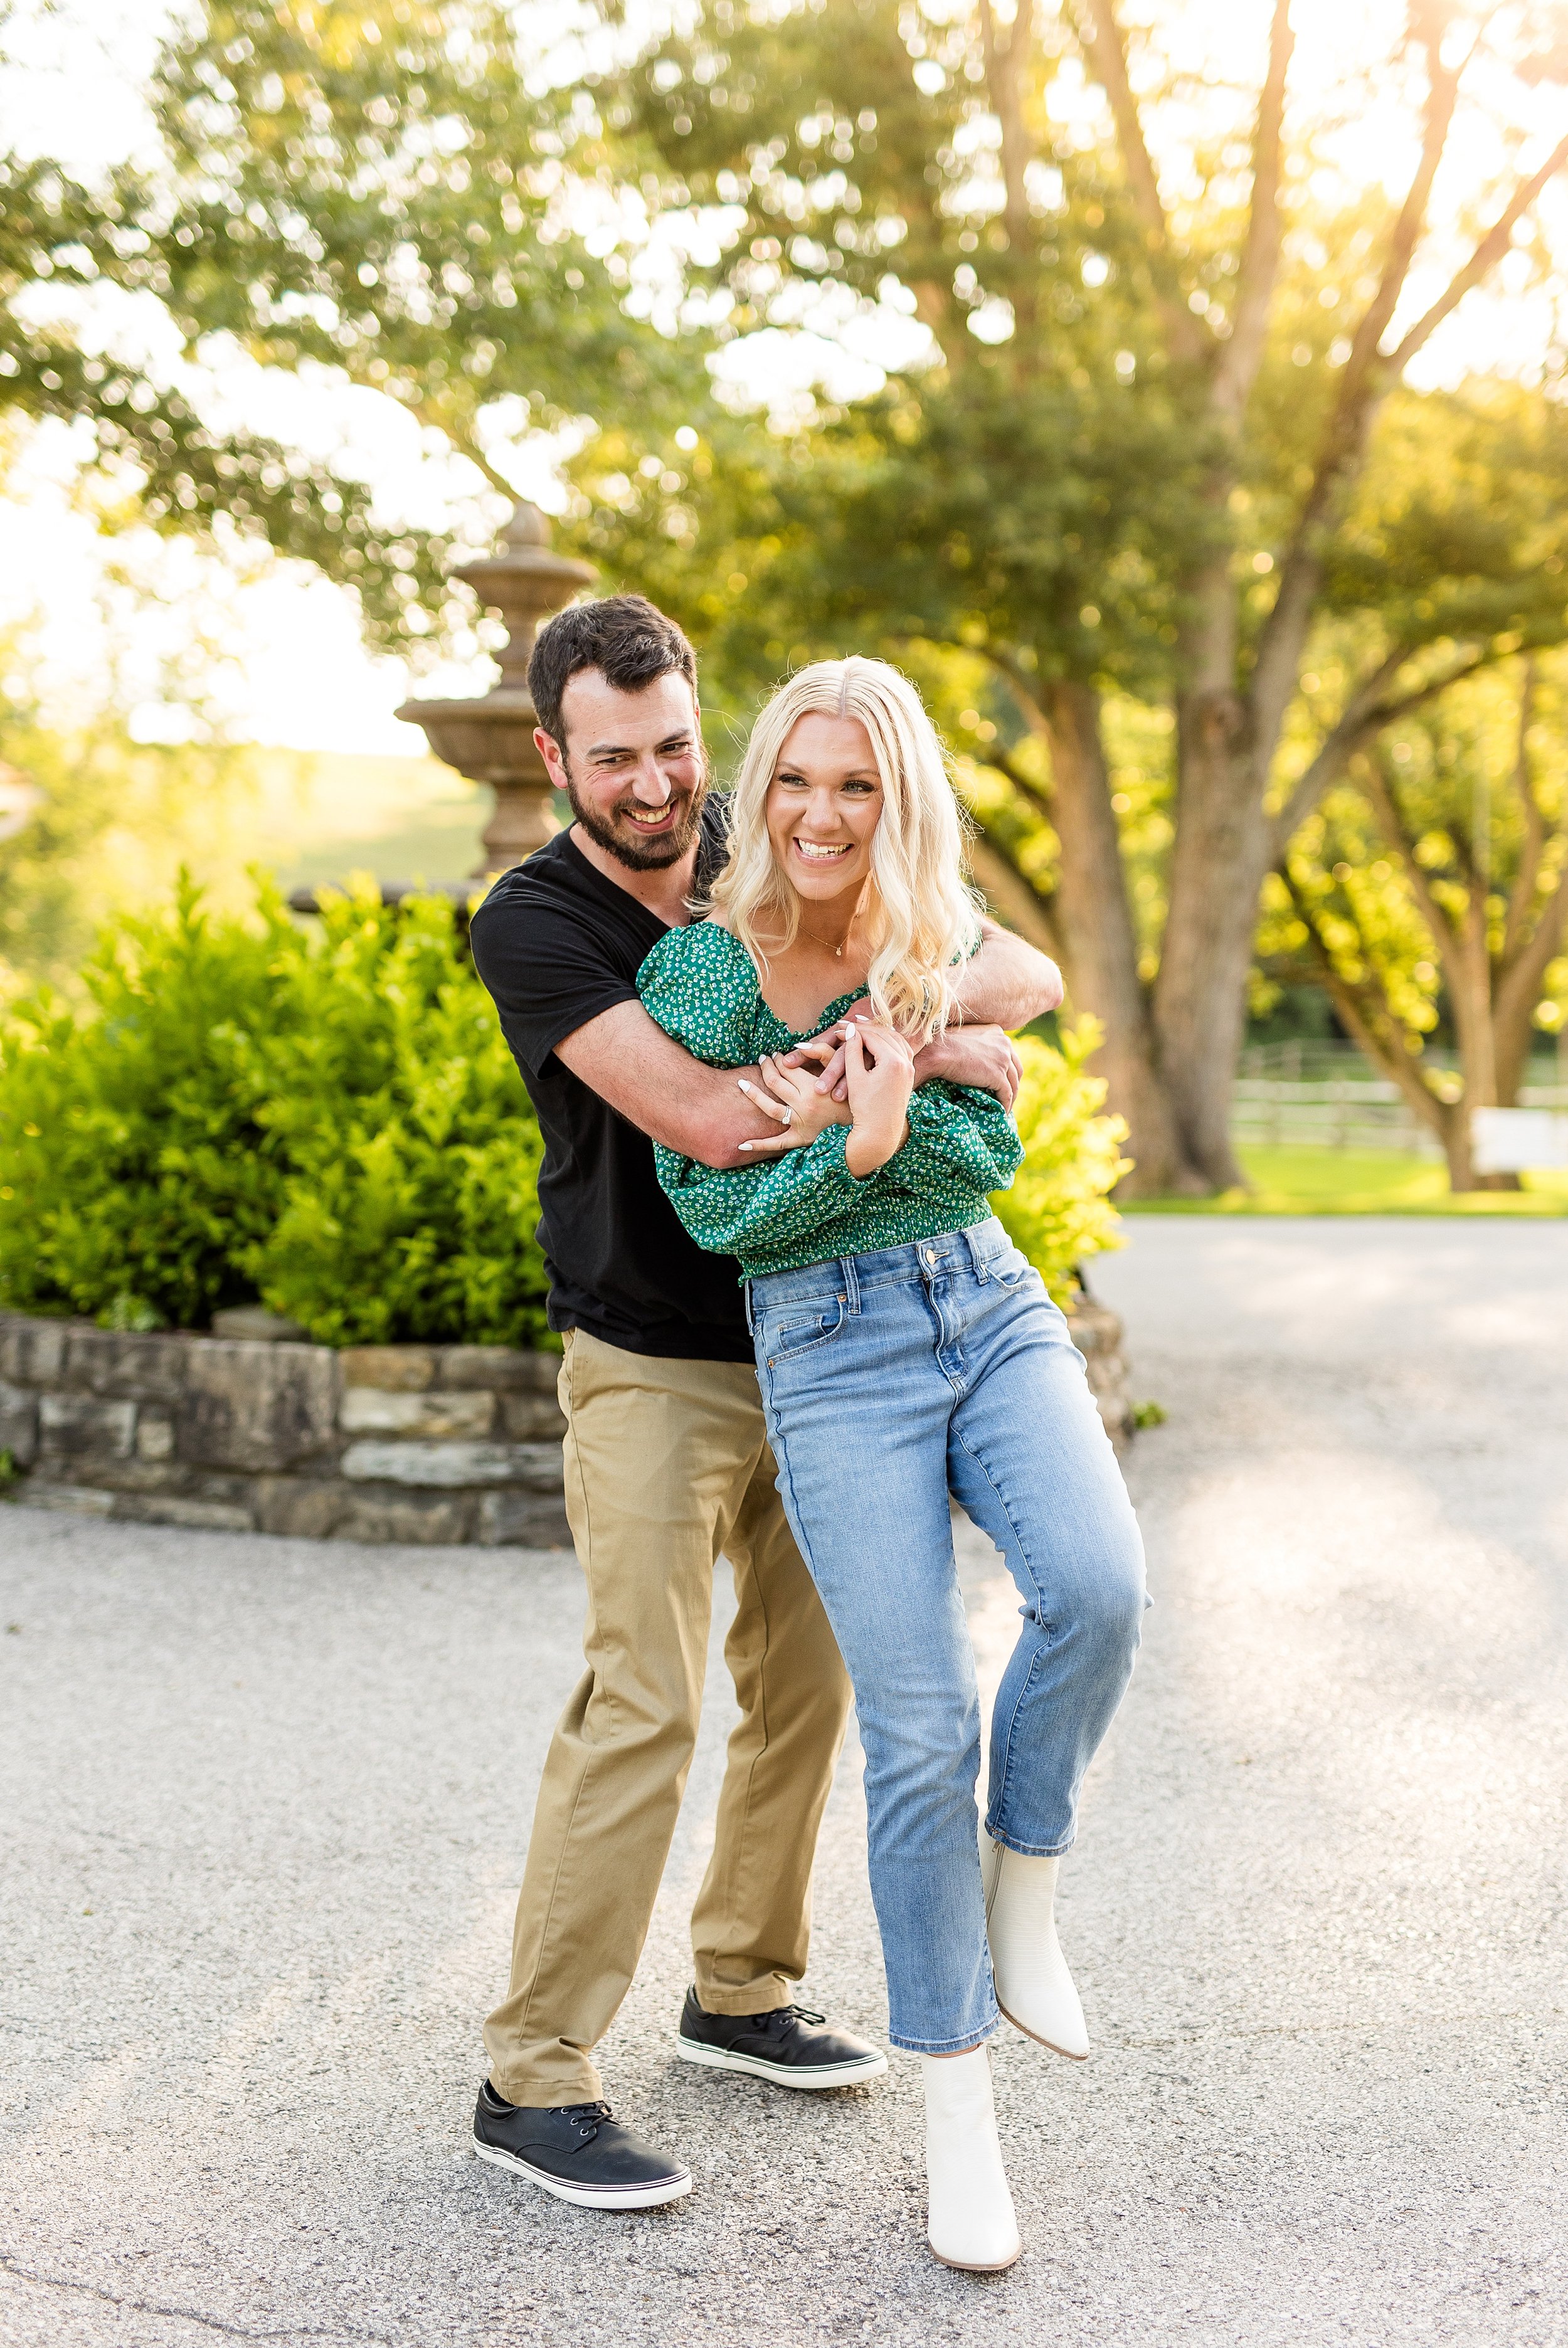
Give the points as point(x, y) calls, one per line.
point(805, 1206)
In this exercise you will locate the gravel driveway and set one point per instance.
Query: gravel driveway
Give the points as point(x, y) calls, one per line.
point(263, 1805)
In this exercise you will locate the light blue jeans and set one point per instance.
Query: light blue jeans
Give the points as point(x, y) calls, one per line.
point(890, 1380)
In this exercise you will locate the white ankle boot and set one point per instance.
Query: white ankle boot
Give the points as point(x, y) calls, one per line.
point(970, 2220)
point(1033, 1987)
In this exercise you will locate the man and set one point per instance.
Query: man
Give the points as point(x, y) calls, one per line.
point(666, 1459)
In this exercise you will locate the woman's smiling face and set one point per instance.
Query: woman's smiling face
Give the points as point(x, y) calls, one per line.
point(824, 804)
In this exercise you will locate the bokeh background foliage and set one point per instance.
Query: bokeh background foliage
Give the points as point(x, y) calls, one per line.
point(1059, 1209)
point(329, 1120)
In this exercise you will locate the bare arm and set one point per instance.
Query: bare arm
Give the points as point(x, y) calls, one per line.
point(1007, 983)
point(628, 1060)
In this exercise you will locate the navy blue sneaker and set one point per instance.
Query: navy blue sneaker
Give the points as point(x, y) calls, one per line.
point(578, 2152)
point(789, 2045)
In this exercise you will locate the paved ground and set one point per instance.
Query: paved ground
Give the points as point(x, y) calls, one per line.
point(265, 1803)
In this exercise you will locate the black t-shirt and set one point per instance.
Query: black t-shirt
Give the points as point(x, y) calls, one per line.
point(557, 944)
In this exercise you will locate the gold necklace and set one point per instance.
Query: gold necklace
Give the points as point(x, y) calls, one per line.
point(826, 943)
point(837, 952)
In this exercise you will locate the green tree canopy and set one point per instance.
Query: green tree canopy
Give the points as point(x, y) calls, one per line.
point(374, 189)
point(165, 460)
point(1157, 447)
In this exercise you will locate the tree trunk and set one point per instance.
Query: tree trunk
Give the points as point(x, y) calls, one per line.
point(1456, 1150)
point(1511, 1047)
point(1217, 871)
point(1100, 944)
point(1470, 991)
point(1470, 981)
point(1518, 989)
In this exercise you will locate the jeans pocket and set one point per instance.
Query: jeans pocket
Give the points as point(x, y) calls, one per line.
point(800, 1328)
point(1010, 1268)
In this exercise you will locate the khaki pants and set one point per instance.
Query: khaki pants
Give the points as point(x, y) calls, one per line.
point(667, 1464)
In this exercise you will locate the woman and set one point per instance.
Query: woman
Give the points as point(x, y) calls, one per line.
point(905, 1350)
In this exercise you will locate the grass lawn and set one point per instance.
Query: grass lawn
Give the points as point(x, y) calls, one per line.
point(1305, 1181)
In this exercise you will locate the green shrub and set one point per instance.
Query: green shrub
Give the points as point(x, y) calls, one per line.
point(331, 1121)
point(412, 1149)
point(329, 1118)
point(134, 1167)
point(1059, 1209)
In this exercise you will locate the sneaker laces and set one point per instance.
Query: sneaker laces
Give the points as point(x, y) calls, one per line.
point(783, 2015)
point(587, 2117)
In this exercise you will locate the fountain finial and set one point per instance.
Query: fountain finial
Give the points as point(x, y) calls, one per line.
point(528, 527)
point(489, 737)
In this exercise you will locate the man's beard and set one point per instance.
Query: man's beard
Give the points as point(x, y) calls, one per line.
point(620, 838)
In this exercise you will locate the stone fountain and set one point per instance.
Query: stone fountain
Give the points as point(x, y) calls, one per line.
point(489, 737)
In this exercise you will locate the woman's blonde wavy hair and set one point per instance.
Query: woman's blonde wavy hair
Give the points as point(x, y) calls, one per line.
point(921, 913)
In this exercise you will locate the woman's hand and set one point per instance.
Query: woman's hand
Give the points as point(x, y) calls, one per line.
point(829, 1048)
point(792, 1095)
point(880, 1068)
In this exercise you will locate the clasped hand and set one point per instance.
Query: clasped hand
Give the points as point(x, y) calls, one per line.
point(877, 1069)
point(805, 1104)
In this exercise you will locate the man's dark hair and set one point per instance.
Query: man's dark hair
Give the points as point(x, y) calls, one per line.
point(626, 636)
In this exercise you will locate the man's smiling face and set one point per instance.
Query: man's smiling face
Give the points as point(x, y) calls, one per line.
point(632, 765)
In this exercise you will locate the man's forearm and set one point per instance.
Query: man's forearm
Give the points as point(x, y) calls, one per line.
point(720, 1118)
point(648, 1080)
point(708, 1118)
point(1008, 983)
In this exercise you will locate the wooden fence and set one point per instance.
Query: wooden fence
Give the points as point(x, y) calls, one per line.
point(1325, 1097)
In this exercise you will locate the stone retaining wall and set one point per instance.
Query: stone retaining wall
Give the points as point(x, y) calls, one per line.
point(376, 1443)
